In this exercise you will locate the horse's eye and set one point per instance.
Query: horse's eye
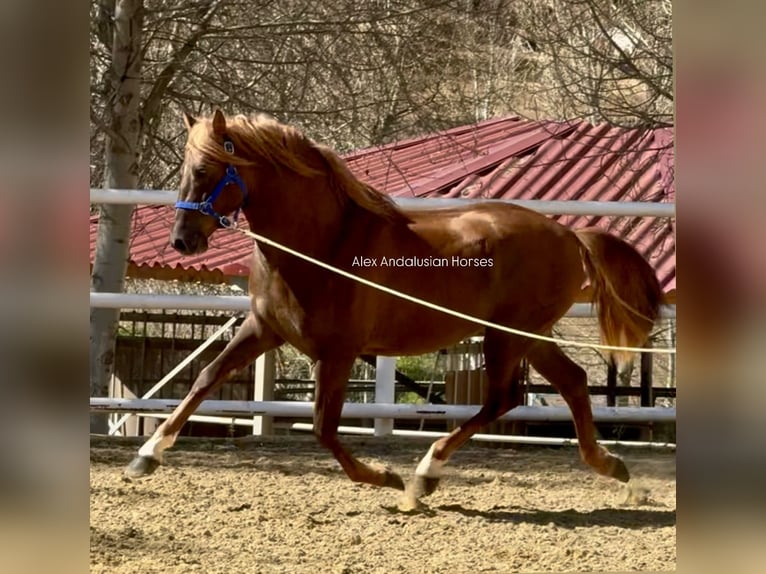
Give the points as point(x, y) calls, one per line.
point(199, 171)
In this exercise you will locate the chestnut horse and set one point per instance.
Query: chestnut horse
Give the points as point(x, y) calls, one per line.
point(497, 262)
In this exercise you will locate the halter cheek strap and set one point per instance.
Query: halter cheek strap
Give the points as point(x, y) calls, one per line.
point(206, 207)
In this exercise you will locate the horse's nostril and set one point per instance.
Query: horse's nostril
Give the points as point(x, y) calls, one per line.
point(180, 245)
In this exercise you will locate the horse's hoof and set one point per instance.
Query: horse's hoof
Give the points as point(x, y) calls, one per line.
point(620, 471)
point(423, 486)
point(141, 466)
point(393, 480)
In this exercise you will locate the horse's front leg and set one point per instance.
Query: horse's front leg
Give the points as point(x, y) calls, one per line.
point(331, 379)
point(251, 340)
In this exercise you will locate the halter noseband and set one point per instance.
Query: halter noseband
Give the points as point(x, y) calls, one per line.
point(206, 207)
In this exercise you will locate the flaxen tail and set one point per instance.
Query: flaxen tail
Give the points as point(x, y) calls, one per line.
point(625, 290)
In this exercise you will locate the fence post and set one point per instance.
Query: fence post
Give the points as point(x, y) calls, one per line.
point(611, 383)
point(647, 380)
point(265, 366)
point(647, 389)
point(385, 386)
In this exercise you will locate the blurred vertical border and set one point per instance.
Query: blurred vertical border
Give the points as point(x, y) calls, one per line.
point(43, 262)
point(721, 253)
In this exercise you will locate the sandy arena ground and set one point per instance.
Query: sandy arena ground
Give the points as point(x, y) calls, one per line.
point(283, 505)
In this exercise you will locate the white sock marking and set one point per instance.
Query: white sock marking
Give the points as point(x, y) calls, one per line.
point(154, 446)
point(430, 467)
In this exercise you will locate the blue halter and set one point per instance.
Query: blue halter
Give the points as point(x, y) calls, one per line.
point(206, 207)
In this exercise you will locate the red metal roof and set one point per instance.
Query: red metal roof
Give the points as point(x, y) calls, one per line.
point(506, 158)
point(152, 256)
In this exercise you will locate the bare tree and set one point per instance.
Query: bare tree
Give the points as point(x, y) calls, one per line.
point(602, 60)
point(124, 122)
point(351, 74)
point(124, 20)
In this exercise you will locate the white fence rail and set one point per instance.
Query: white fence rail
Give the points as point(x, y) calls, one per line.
point(479, 437)
point(596, 208)
point(242, 303)
point(299, 409)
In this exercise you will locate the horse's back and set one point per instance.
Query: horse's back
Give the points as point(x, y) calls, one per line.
point(518, 237)
point(502, 263)
point(488, 219)
point(539, 270)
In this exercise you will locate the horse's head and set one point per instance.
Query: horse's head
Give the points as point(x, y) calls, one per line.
point(211, 188)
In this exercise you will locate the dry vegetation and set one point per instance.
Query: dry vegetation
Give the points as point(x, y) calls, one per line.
point(354, 74)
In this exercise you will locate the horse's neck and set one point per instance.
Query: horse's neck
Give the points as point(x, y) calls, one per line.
point(302, 215)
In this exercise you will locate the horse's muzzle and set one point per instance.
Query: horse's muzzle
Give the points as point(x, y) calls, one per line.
point(189, 244)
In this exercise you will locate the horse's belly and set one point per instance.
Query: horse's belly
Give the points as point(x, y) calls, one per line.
point(425, 332)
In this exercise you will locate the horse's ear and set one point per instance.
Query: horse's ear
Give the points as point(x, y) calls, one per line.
point(189, 121)
point(219, 123)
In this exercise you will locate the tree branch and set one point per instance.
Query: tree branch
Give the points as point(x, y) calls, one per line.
point(152, 103)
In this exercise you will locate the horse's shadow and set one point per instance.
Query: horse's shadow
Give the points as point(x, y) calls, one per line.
point(570, 518)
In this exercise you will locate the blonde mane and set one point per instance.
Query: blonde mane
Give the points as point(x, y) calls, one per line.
point(260, 139)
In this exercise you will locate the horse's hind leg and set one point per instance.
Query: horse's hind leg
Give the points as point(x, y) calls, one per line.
point(502, 354)
point(251, 340)
point(572, 382)
point(331, 379)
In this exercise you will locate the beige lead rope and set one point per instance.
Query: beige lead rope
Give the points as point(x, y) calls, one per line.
point(435, 307)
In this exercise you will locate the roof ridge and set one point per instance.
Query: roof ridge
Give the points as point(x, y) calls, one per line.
point(419, 140)
point(500, 154)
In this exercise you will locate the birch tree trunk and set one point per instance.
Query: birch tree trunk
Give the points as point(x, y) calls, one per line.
point(122, 161)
